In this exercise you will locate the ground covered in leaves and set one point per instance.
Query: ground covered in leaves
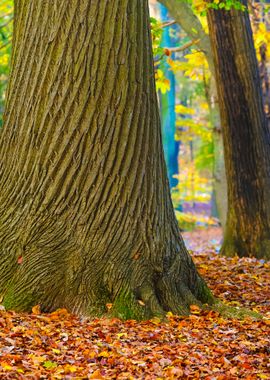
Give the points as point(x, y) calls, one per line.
point(201, 346)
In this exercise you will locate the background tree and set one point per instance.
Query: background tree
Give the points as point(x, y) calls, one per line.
point(167, 103)
point(86, 214)
point(260, 17)
point(245, 133)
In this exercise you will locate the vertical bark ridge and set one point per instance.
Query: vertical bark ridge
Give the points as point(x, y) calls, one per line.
point(27, 87)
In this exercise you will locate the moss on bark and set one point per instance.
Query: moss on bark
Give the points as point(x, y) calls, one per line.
point(20, 302)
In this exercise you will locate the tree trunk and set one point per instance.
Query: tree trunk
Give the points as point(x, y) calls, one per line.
point(167, 106)
point(219, 195)
point(265, 81)
point(259, 16)
point(86, 214)
point(245, 133)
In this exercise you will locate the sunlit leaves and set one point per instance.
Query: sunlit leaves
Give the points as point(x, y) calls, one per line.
point(193, 65)
point(183, 110)
point(262, 37)
point(189, 220)
point(201, 6)
point(156, 31)
point(162, 83)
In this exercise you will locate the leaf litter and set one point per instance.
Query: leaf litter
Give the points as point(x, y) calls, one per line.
point(204, 345)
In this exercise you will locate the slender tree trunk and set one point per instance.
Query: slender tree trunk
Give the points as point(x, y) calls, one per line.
point(219, 178)
point(167, 107)
point(219, 196)
point(245, 133)
point(86, 214)
point(258, 16)
point(265, 81)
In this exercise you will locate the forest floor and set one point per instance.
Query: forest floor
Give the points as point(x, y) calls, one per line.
point(204, 345)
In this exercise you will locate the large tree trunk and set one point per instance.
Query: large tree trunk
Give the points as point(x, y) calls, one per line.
point(245, 132)
point(86, 214)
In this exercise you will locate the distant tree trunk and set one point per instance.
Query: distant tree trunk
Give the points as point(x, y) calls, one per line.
point(245, 132)
point(86, 214)
point(167, 107)
point(258, 15)
point(265, 81)
point(219, 196)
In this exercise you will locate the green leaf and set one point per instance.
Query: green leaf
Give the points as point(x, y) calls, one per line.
point(49, 365)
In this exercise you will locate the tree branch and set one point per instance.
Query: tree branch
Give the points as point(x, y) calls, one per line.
point(189, 22)
point(183, 47)
point(168, 23)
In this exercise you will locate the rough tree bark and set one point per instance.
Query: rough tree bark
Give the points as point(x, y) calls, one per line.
point(86, 214)
point(245, 133)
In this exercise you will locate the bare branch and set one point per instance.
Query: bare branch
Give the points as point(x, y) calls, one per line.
point(168, 23)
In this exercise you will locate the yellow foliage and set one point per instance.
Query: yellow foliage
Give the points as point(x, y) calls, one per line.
point(184, 110)
point(195, 66)
point(6, 7)
point(191, 128)
point(200, 5)
point(261, 37)
point(6, 10)
point(4, 59)
point(162, 83)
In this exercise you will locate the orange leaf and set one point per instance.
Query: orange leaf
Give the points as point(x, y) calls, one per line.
point(20, 260)
point(59, 314)
point(97, 375)
point(5, 366)
point(194, 309)
point(36, 310)
point(167, 52)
